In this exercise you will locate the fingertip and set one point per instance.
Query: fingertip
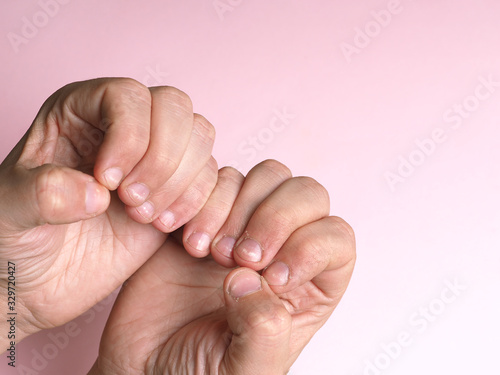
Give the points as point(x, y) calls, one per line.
point(166, 221)
point(243, 282)
point(197, 244)
point(144, 214)
point(277, 274)
point(112, 177)
point(63, 195)
point(248, 252)
point(97, 198)
point(260, 322)
point(222, 251)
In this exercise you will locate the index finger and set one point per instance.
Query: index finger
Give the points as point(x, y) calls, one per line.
point(107, 119)
point(295, 203)
point(322, 252)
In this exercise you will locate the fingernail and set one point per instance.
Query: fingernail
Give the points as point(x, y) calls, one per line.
point(244, 283)
point(277, 273)
point(167, 218)
point(113, 177)
point(146, 210)
point(138, 192)
point(225, 246)
point(249, 250)
point(200, 241)
point(95, 198)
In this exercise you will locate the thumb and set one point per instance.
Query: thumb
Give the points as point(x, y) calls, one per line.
point(49, 195)
point(260, 324)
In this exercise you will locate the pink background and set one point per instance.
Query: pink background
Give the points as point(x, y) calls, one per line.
point(356, 116)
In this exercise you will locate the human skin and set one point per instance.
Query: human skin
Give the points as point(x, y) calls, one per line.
point(255, 264)
point(191, 314)
point(74, 232)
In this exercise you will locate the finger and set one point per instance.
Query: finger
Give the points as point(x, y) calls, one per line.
point(260, 324)
point(200, 231)
point(261, 181)
point(49, 195)
point(121, 108)
point(197, 155)
point(193, 199)
point(296, 202)
point(171, 126)
point(323, 251)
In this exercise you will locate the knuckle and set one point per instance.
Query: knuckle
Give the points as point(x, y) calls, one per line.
point(122, 96)
point(228, 180)
point(271, 322)
point(127, 90)
point(204, 186)
point(195, 199)
point(175, 99)
point(213, 166)
point(49, 190)
point(342, 227)
point(167, 164)
point(210, 173)
point(229, 176)
point(276, 168)
point(134, 145)
point(281, 222)
point(204, 128)
point(317, 190)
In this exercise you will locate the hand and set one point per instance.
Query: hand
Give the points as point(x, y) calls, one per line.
point(72, 242)
point(184, 315)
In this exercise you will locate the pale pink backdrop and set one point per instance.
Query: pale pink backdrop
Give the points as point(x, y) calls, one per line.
point(365, 84)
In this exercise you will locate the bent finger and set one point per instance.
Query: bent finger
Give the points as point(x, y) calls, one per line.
point(296, 202)
point(260, 324)
point(323, 252)
point(197, 155)
point(192, 200)
point(171, 126)
point(119, 107)
point(260, 182)
point(202, 229)
point(49, 195)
